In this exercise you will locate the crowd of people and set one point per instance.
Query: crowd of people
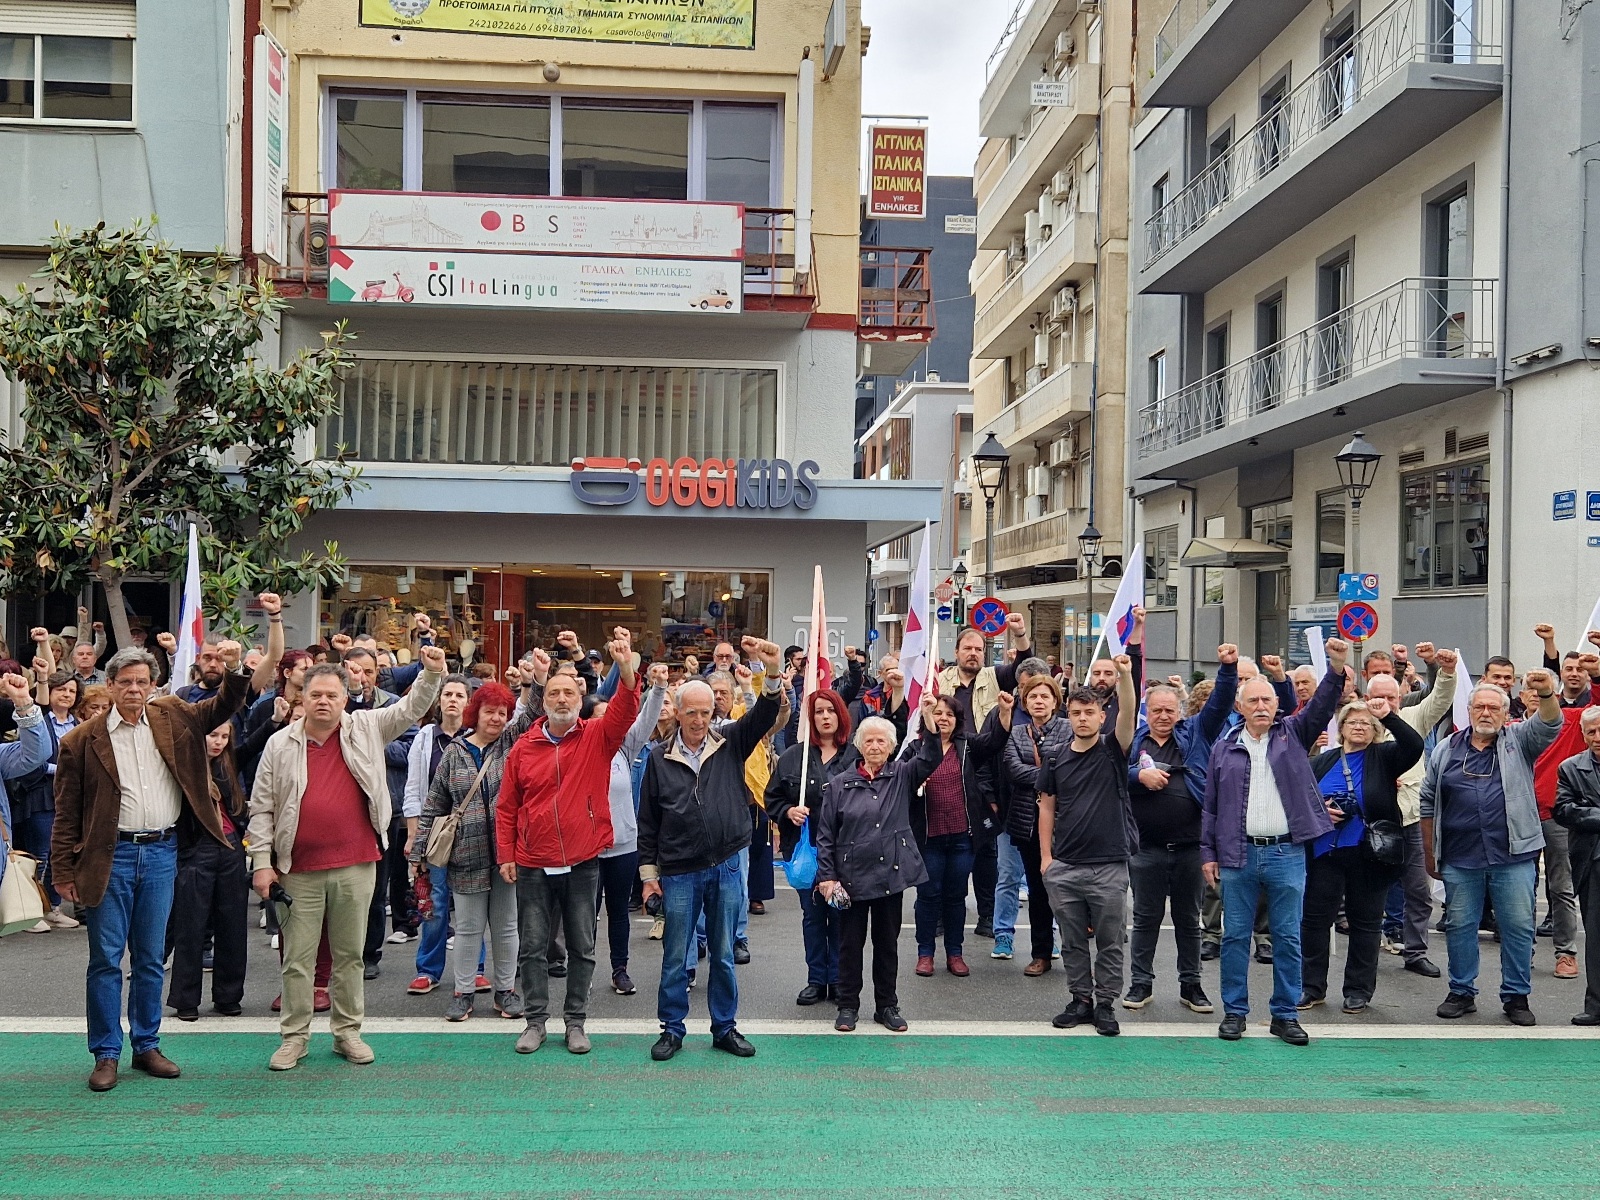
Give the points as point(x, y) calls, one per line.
point(372, 801)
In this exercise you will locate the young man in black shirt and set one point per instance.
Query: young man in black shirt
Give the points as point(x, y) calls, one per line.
point(1087, 835)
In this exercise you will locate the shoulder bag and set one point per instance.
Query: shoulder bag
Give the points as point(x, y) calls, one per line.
point(22, 897)
point(1383, 843)
point(442, 837)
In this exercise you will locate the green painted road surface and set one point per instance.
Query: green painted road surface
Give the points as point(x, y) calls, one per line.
point(811, 1116)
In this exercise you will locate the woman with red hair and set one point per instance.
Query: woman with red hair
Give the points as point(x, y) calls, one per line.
point(468, 783)
point(830, 752)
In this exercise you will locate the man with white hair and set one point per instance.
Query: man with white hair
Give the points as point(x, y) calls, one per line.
point(1481, 833)
point(694, 824)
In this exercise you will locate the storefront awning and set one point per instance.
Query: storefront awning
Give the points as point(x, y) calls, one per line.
point(1233, 552)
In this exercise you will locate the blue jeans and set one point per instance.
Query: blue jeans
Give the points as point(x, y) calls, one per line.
point(33, 835)
point(1512, 888)
point(1280, 872)
point(1009, 887)
point(434, 935)
point(741, 935)
point(948, 858)
point(132, 916)
point(819, 926)
point(719, 890)
point(1394, 912)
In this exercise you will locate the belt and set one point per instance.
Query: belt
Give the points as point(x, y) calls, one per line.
point(143, 837)
point(1279, 840)
point(1173, 847)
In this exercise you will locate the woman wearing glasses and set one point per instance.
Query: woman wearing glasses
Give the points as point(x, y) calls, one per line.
point(1357, 861)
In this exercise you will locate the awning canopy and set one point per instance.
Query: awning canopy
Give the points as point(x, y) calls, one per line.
point(1233, 552)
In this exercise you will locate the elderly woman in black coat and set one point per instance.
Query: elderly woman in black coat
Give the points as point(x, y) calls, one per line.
point(867, 857)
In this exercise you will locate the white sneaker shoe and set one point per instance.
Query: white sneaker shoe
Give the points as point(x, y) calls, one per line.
point(399, 937)
point(57, 919)
point(41, 927)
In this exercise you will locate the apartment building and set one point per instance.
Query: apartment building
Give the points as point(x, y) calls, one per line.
point(1328, 240)
point(609, 315)
point(1050, 282)
point(97, 124)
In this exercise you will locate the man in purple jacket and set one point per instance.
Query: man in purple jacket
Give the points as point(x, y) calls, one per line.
point(1262, 807)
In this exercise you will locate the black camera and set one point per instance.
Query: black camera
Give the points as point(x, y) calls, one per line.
point(652, 905)
point(278, 896)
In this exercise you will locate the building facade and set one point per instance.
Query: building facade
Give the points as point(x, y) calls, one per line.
point(1050, 281)
point(605, 301)
point(1327, 240)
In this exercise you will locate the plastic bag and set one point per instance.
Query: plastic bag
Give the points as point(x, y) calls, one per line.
point(801, 869)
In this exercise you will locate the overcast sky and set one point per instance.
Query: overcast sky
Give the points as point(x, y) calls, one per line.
point(927, 59)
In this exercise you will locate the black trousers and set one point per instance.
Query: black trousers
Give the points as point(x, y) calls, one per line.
point(1041, 921)
point(1589, 904)
point(1159, 872)
point(212, 892)
point(1343, 874)
point(885, 914)
point(392, 884)
point(616, 883)
point(985, 874)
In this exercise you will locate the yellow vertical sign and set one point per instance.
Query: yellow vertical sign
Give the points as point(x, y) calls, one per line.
point(713, 24)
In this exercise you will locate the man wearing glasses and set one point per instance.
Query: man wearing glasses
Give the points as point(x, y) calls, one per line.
point(1481, 833)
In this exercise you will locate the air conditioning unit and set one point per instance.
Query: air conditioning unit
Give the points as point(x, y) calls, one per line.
point(1065, 48)
point(1061, 185)
point(1041, 353)
point(1017, 251)
point(1038, 481)
point(1064, 450)
point(1030, 227)
point(1111, 568)
point(1063, 304)
point(307, 238)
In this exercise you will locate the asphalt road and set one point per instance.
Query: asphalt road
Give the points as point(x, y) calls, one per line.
point(42, 976)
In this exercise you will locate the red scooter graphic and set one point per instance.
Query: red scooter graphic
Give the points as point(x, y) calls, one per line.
point(376, 290)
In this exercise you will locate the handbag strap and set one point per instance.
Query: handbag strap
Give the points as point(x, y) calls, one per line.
point(476, 784)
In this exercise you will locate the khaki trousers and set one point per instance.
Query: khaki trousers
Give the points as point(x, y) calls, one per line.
point(343, 896)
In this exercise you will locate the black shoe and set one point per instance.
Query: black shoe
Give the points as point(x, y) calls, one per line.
point(1105, 1021)
point(187, 1014)
point(1232, 1028)
point(845, 1022)
point(741, 953)
point(1290, 1031)
point(227, 1010)
point(1547, 928)
point(700, 950)
point(1456, 1004)
point(1079, 1012)
point(1308, 1001)
point(891, 1019)
point(1587, 1018)
point(208, 961)
point(1138, 996)
point(1210, 951)
point(1518, 1012)
point(1421, 966)
point(984, 929)
point(1264, 953)
point(1194, 998)
point(557, 970)
point(812, 993)
point(833, 991)
point(371, 970)
point(1354, 1006)
point(734, 1043)
point(1439, 926)
point(666, 1046)
point(691, 974)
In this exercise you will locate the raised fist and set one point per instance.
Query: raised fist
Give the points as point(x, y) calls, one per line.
point(1447, 661)
point(424, 624)
point(433, 659)
point(1426, 652)
point(1544, 631)
point(1273, 666)
point(271, 603)
point(1006, 701)
point(16, 690)
point(743, 675)
point(39, 634)
point(1541, 681)
point(340, 642)
point(1016, 625)
point(567, 639)
point(1228, 653)
point(1590, 663)
point(41, 668)
point(1338, 650)
point(657, 675)
point(1593, 637)
point(536, 669)
point(768, 652)
point(621, 645)
point(231, 652)
point(1124, 665)
point(167, 642)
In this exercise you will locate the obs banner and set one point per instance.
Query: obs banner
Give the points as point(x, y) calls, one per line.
point(726, 24)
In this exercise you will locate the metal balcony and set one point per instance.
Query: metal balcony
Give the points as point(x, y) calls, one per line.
point(1416, 343)
point(896, 320)
point(1048, 539)
point(1204, 45)
point(1016, 60)
point(1045, 410)
point(1001, 325)
point(1402, 83)
point(1055, 134)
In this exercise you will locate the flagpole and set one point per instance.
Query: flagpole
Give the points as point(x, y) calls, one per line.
point(806, 688)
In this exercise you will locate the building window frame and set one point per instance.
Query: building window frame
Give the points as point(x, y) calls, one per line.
point(1161, 559)
point(1327, 503)
point(411, 166)
point(38, 80)
point(1409, 552)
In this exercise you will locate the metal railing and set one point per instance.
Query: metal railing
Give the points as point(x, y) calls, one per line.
point(1007, 36)
point(1441, 31)
point(896, 289)
point(1049, 395)
point(1411, 318)
point(1053, 531)
point(769, 249)
point(1180, 22)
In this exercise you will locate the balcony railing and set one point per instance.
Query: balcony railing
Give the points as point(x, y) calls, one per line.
point(1438, 31)
point(1412, 318)
point(896, 293)
point(769, 251)
point(1007, 36)
point(1186, 14)
point(1057, 532)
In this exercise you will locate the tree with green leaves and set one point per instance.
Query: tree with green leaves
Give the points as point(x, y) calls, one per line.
point(147, 408)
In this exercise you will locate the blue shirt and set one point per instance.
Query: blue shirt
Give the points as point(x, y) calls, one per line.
point(1472, 811)
point(1343, 784)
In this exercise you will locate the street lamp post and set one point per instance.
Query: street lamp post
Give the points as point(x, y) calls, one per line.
point(1357, 464)
point(1089, 550)
point(959, 576)
point(990, 462)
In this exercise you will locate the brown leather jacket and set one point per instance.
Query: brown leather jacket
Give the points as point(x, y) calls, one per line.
point(89, 792)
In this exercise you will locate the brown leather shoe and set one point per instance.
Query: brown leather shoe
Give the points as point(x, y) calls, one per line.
point(153, 1062)
point(957, 966)
point(924, 965)
point(1036, 968)
point(104, 1076)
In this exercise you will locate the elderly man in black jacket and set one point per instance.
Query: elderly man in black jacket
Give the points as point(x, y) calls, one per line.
point(694, 821)
point(1578, 809)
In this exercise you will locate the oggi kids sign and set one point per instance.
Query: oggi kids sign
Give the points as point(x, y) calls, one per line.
point(690, 483)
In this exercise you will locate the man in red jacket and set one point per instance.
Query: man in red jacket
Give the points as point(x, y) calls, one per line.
point(1557, 869)
point(552, 821)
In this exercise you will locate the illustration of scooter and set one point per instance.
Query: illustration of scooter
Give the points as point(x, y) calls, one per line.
point(376, 290)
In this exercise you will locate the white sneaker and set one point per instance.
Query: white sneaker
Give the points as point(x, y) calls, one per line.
point(57, 919)
point(399, 937)
point(41, 927)
point(1393, 947)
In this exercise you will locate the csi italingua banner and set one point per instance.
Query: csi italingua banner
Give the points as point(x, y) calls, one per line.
point(725, 24)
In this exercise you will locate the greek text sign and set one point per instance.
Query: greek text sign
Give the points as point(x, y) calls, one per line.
point(897, 184)
point(543, 281)
point(695, 483)
point(728, 24)
point(535, 225)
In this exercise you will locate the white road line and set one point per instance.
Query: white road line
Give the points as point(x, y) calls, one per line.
point(1199, 1028)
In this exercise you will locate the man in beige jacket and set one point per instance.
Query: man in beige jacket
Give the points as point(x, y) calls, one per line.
point(319, 817)
point(1383, 695)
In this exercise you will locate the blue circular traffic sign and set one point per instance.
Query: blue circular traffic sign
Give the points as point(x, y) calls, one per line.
point(989, 617)
point(1358, 621)
point(944, 612)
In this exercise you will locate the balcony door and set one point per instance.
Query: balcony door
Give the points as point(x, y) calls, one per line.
point(1338, 87)
point(1447, 297)
point(1454, 22)
point(1272, 131)
point(1267, 373)
point(1335, 295)
point(1214, 397)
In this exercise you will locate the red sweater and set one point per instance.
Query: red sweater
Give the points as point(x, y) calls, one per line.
point(1568, 742)
point(554, 808)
